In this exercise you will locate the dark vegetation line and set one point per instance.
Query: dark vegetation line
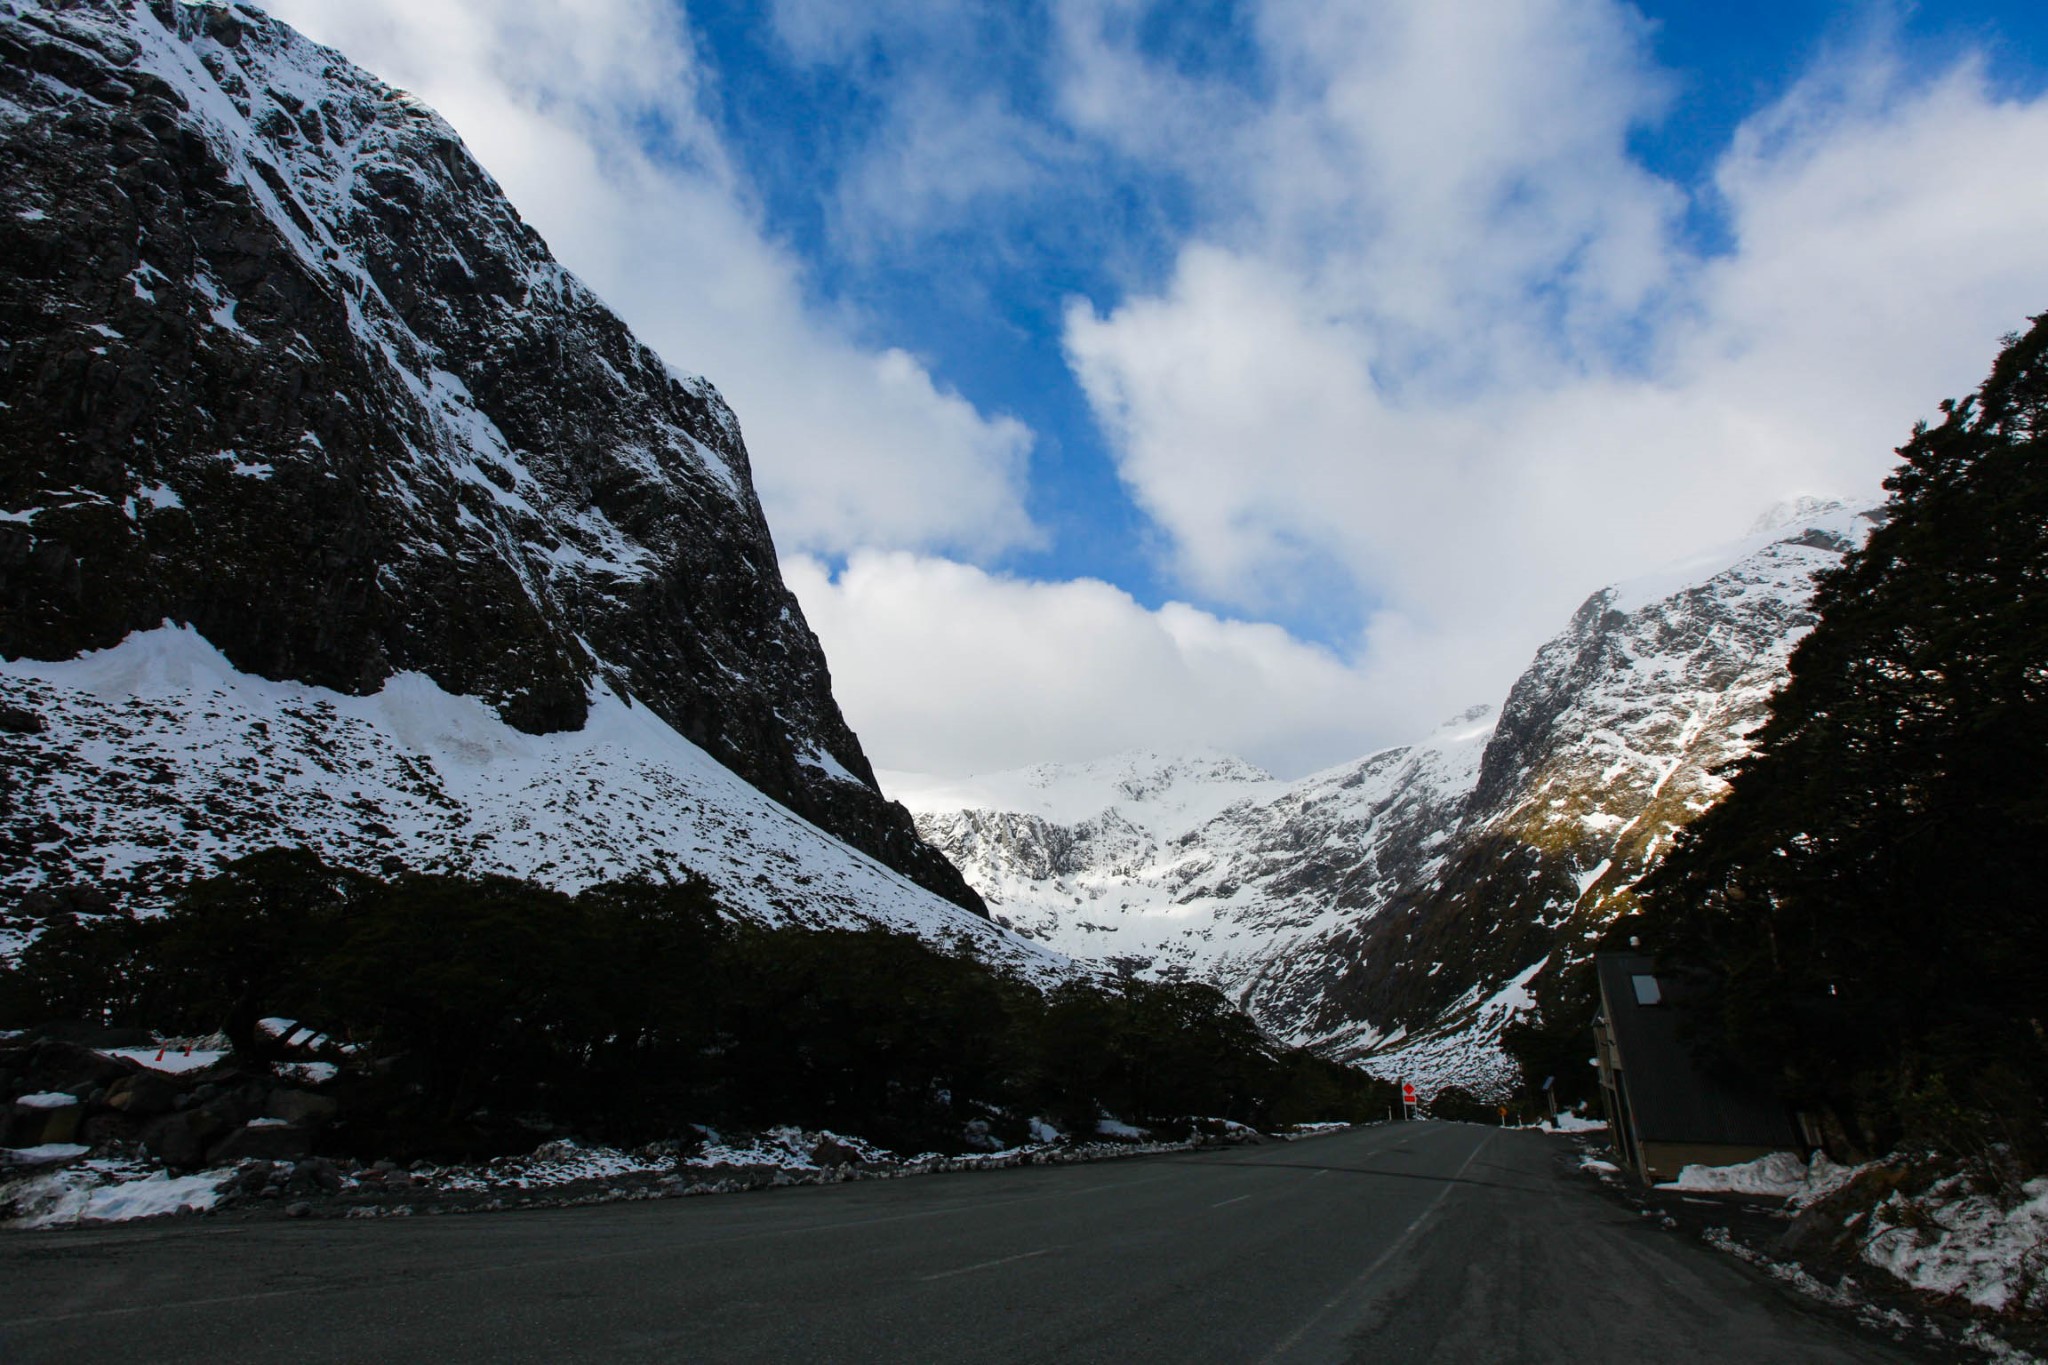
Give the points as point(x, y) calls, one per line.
point(1866, 912)
point(489, 1013)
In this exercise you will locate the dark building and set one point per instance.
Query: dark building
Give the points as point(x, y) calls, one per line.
point(1664, 1111)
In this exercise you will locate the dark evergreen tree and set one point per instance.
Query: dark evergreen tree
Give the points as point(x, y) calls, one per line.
point(1867, 905)
point(481, 1012)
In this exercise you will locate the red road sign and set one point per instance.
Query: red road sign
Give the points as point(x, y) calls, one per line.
point(1408, 1092)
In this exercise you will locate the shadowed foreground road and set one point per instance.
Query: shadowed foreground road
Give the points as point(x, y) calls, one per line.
point(1406, 1242)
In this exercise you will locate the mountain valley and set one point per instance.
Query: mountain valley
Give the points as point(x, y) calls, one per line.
point(1400, 910)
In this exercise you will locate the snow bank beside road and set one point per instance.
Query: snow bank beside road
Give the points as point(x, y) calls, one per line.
point(556, 1174)
point(1966, 1245)
point(1780, 1175)
point(1969, 1236)
point(107, 1192)
point(1572, 1123)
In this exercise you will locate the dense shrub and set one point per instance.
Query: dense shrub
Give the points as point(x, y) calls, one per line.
point(493, 1009)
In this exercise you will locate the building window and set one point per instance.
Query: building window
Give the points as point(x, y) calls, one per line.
point(1647, 991)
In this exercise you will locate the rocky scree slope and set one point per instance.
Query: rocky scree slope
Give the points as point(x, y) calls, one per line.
point(1401, 909)
point(279, 362)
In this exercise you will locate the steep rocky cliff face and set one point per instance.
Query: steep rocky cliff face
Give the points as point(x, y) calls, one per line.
point(1605, 747)
point(279, 362)
point(1403, 908)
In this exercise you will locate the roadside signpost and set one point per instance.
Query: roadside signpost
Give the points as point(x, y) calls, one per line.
point(1408, 1099)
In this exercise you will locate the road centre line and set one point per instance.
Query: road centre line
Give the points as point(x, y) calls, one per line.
point(986, 1265)
point(1221, 1202)
point(1364, 1277)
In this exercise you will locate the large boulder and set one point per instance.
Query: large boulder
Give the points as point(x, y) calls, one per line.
point(143, 1095)
point(263, 1140)
point(301, 1107)
point(41, 1121)
point(54, 1064)
point(180, 1140)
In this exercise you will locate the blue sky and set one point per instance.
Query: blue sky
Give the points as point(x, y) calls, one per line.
point(1273, 376)
point(982, 302)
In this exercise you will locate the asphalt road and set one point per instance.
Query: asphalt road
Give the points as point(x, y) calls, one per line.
point(1404, 1242)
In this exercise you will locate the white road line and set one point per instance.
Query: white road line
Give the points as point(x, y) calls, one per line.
point(986, 1265)
point(1239, 1200)
point(1365, 1276)
point(1320, 1174)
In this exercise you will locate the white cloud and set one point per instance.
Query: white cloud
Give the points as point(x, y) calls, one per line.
point(1439, 345)
point(1435, 347)
point(852, 444)
point(946, 668)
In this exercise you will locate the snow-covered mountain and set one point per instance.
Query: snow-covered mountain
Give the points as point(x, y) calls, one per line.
point(157, 758)
point(1402, 908)
point(1200, 866)
point(334, 510)
point(1048, 843)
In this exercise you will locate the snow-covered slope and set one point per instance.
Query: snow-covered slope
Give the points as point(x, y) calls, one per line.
point(158, 758)
point(281, 364)
point(1403, 908)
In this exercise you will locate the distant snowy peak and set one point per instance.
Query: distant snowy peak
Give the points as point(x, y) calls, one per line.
point(1794, 510)
point(1159, 790)
point(1768, 555)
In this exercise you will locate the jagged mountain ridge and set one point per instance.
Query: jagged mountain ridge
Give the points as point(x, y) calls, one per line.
point(1209, 870)
point(279, 361)
point(1402, 908)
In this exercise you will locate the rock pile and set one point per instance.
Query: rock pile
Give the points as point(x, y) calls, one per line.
point(62, 1094)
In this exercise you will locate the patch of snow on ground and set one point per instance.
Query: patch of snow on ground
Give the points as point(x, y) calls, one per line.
point(1573, 1123)
point(43, 1154)
point(1302, 1130)
point(1781, 1175)
point(553, 1163)
point(1117, 1128)
point(1966, 1245)
point(47, 1099)
point(788, 1148)
point(106, 1192)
